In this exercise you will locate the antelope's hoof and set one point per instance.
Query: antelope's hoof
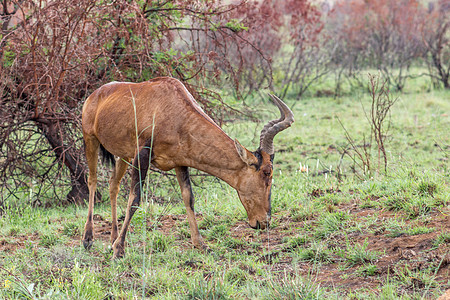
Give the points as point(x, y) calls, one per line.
point(118, 255)
point(88, 237)
point(202, 247)
point(87, 243)
point(118, 252)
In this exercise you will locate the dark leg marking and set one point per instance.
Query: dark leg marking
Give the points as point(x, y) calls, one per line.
point(141, 164)
point(188, 199)
point(186, 181)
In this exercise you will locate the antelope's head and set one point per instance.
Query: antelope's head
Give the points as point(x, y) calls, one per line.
point(254, 187)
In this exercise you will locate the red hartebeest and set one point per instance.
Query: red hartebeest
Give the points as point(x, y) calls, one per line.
point(159, 122)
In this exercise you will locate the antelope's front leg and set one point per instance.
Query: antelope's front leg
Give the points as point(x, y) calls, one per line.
point(188, 199)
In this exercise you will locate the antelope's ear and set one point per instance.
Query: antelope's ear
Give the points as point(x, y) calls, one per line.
point(245, 155)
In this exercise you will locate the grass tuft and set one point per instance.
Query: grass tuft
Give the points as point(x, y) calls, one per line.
point(359, 254)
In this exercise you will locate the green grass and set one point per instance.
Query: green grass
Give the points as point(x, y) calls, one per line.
point(359, 254)
point(326, 237)
point(367, 270)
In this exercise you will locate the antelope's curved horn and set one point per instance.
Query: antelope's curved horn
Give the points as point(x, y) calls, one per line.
point(273, 127)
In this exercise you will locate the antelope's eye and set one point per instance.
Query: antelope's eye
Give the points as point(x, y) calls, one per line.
point(266, 173)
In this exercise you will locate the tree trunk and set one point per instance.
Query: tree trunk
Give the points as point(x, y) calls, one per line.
point(80, 191)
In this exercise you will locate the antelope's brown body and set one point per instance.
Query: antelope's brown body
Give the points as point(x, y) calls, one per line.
point(159, 122)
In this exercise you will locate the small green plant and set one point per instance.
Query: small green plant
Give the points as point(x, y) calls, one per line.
point(217, 232)
point(71, 229)
point(159, 242)
point(416, 230)
point(331, 223)
point(416, 280)
point(398, 227)
point(389, 289)
point(184, 232)
point(236, 276)
point(255, 245)
point(367, 270)
point(202, 289)
point(395, 227)
point(233, 243)
point(303, 214)
point(366, 225)
point(294, 287)
point(316, 252)
point(85, 284)
point(49, 240)
point(208, 222)
point(426, 188)
point(443, 238)
point(359, 254)
point(394, 202)
point(14, 287)
point(294, 242)
point(418, 206)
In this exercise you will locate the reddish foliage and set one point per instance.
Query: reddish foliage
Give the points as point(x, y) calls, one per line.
point(435, 35)
point(62, 50)
point(269, 25)
point(378, 34)
point(308, 59)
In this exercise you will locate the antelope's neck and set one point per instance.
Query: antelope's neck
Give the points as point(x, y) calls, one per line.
point(214, 152)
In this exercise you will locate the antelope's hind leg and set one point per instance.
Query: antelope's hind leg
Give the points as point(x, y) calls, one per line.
point(141, 164)
point(91, 147)
point(114, 186)
point(188, 199)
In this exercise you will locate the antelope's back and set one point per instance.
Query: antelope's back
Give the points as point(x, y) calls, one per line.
point(162, 109)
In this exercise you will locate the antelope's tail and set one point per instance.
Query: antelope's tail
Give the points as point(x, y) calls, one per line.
point(107, 157)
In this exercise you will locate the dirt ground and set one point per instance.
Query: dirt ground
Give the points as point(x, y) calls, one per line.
point(415, 253)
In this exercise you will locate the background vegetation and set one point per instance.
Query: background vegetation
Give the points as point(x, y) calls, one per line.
point(361, 184)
